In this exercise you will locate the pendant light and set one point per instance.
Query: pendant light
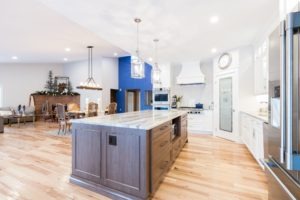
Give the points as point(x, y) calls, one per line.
point(90, 83)
point(156, 72)
point(137, 64)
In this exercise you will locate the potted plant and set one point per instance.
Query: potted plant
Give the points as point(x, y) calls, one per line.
point(177, 100)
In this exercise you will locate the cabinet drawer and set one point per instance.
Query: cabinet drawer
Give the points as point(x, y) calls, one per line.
point(176, 146)
point(161, 143)
point(159, 168)
point(156, 132)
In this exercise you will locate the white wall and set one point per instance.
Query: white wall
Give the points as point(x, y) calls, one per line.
point(165, 76)
point(105, 74)
point(247, 98)
point(286, 6)
point(192, 94)
point(18, 81)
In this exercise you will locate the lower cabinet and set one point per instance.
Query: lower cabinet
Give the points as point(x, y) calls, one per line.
point(117, 158)
point(252, 136)
point(201, 123)
point(124, 161)
point(86, 159)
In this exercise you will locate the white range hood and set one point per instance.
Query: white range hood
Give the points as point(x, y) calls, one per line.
point(190, 74)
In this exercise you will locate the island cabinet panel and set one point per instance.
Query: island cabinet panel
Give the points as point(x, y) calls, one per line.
point(86, 158)
point(125, 165)
point(183, 130)
point(176, 147)
point(160, 153)
point(159, 168)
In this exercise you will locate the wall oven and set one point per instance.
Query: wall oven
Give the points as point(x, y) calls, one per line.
point(161, 96)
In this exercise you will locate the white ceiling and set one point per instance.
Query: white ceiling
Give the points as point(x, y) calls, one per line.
point(183, 27)
point(34, 33)
point(39, 30)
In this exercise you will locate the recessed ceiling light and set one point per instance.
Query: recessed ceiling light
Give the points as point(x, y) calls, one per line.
point(14, 58)
point(213, 50)
point(150, 59)
point(67, 49)
point(66, 59)
point(115, 54)
point(214, 19)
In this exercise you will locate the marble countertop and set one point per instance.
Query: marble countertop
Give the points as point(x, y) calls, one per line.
point(257, 115)
point(144, 120)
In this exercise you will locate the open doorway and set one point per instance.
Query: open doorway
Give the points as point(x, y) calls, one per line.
point(132, 100)
point(113, 95)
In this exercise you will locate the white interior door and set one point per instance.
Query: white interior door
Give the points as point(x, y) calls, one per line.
point(226, 105)
point(130, 101)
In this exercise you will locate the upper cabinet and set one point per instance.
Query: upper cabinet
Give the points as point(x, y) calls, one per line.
point(261, 69)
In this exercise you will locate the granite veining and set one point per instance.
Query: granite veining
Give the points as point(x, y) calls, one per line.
point(144, 120)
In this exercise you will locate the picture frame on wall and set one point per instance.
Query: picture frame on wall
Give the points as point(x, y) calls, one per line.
point(61, 83)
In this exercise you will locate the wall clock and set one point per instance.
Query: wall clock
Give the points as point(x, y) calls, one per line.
point(224, 60)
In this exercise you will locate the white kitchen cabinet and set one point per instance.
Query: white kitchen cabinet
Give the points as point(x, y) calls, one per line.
point(201, 123)
point(261, 69)
point(252, 135)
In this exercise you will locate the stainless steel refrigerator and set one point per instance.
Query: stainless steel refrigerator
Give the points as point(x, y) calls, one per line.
point(282, 132)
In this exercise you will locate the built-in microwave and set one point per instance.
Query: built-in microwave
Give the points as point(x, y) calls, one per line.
point(161, 96)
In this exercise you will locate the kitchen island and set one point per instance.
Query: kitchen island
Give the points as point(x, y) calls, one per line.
point(126, 156)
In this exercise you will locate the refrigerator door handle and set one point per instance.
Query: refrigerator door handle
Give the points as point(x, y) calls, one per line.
point(282, 91)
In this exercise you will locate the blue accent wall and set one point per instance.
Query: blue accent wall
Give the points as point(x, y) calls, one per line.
point(127, 83)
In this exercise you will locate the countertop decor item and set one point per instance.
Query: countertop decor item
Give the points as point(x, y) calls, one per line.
point(137, 63)
point(177, 100)
point(156, 72)
point(90, 83)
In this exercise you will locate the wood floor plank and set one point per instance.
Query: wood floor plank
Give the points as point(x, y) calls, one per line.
point(35, 165)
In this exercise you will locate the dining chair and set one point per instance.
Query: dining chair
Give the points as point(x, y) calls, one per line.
point(92, 109)
point(63, 120)
point(112, 108)
point(45, 112)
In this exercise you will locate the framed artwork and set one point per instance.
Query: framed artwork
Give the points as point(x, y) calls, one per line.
point(61, 83)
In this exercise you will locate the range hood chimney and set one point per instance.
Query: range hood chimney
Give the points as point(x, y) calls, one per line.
point(190, 74)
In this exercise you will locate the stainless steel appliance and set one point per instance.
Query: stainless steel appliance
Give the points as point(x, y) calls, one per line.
point(161, 96)
point(282, 132)
point(161, 99)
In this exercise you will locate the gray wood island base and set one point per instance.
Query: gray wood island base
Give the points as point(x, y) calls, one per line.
point(126, 156)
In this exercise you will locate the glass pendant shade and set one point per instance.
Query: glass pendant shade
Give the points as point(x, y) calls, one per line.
point(156, 75)
point(137, 64)
point(156, 72)
point(137, 68)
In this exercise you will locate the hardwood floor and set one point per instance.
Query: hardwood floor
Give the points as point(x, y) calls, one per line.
point(35, 165)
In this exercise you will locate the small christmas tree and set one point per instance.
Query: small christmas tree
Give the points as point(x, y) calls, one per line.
point(50, 84)
point(55, 85)
point(70, 88)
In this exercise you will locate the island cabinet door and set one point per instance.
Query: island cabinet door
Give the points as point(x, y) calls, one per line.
point(183, 129)
point(86, 150)
point(126, 161)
